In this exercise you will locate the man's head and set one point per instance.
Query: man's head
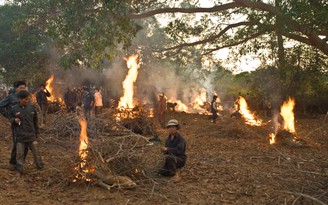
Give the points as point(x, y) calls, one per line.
point(173, 126)
point(19, 85)
point(23, 97)
point(161, 95)
point(42, 87)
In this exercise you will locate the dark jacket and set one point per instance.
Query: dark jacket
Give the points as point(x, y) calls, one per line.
point(177, 146)
point(88, 100)
point(70, 99)
point(28, 128)
point(7, 104)
point(41, 97)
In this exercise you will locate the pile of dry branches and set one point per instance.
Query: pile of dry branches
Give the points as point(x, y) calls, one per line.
point(117, 156)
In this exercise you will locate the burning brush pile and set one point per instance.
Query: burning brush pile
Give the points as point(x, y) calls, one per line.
point(117, 162)
point(109, 154)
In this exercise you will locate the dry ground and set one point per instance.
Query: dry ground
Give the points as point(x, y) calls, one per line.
point(228, 163)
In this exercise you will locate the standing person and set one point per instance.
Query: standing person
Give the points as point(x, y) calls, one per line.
point(6, 107)
point(174, 150)
point(214, 109)
point(25, 123)
point(70, 99)
point(98, 101)
point(41, 98)
point(88, 101)
point(161, 110)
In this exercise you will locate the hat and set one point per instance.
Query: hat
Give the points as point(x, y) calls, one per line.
point(173, 122)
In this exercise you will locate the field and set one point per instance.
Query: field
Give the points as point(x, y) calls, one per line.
point(228, 163)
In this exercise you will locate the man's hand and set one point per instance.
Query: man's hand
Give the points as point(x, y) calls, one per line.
point(17, 121)
point(164, 149)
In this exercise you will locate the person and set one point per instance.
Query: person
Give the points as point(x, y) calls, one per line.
point(174, 150)
point(88, 101)
point(6, 106)
point(70, 99)
point(25, 123)
point(41, 98)
point(214, 109)
point(98, 101)
point(161, 109)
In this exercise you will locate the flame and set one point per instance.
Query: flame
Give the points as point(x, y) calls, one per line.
point(49, 87)
point(181, 106)
point(200, 100)
point(83, 140)
point(272, 138)
point(81, 167)
point(286, 111)
point(126, 100)
point(247, 115)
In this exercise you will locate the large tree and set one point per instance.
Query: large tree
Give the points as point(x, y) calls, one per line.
point(89, 31)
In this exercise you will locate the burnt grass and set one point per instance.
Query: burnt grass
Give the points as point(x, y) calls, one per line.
point(228, 163)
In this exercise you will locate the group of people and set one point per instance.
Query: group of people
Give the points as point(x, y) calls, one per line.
point(22, 115)
point(84, 97)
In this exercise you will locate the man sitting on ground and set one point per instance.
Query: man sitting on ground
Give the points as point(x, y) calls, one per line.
point(174, 150)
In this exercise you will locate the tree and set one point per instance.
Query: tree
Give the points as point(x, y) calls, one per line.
point(21, 53)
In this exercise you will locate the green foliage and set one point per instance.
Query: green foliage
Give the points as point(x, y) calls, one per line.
point(21, 53)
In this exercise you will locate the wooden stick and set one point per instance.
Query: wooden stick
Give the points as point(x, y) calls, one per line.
point(306, 196)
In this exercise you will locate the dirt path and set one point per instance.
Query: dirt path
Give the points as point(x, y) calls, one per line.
point(228, 163)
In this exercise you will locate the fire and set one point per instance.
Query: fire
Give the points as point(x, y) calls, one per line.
point(83, 140)
point(286, 111)
point(81, 167)
point(272, 138)
point(126, 100)
point(181, 106)
point(200, 100)
point(49, 87)
point(247, 115)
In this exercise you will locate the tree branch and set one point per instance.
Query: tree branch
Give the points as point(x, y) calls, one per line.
point(185, 10)
point(235, 43)
point(212, 38)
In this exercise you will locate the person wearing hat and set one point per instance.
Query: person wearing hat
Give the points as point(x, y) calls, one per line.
point(161, 109)
point(174, 150)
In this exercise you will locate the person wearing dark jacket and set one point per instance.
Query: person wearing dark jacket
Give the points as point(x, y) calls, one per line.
point(41, 98)
point(6, 107)
point(25, 123)
point(70, 99)
point(174, 150)
point(214, 109)
point(88, 101)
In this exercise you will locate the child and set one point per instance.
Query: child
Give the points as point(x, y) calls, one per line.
point(25, 123)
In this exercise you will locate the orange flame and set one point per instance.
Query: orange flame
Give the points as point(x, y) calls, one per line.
point(200, 100)
point(83, 140)
point(49, 87)
point(181, 106)
point(286, 111)
point(247, 115)
point(126, 100)
point(272, 138)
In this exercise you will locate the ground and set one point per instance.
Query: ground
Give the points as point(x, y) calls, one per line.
point(228, 163)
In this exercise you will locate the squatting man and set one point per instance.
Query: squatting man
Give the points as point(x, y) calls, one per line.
point(174, 150)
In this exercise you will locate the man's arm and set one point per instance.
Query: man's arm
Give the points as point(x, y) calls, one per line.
point(48, 94)
point(3, 106)
point(35, 121)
